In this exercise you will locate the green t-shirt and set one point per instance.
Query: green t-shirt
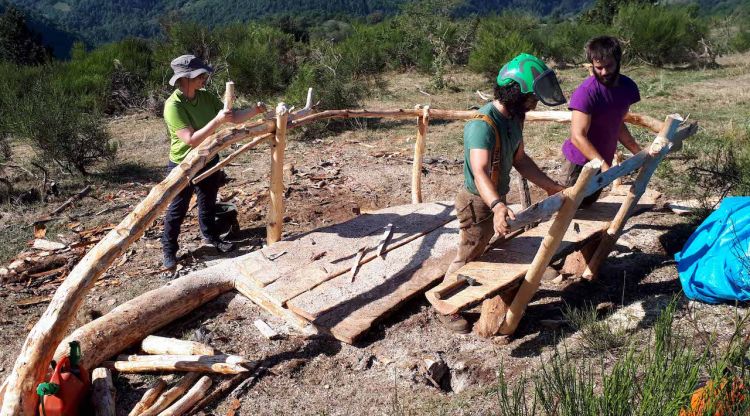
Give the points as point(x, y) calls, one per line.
point(478, 134)
point(180, 113)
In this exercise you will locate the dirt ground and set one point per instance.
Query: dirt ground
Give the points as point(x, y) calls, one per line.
point(330, 177)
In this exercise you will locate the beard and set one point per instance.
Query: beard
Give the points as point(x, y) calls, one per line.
point(608, 80)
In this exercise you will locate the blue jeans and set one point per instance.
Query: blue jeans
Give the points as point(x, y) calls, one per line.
point(205, 191)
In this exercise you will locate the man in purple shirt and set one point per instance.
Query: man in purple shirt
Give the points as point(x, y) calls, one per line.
point(599, 106)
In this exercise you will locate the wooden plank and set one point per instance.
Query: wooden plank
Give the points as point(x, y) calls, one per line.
point(501, 267)
point(406, 228)
point(340, 242)
point(389, 277)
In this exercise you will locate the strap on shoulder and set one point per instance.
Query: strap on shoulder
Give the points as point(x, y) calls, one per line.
point(495, 162)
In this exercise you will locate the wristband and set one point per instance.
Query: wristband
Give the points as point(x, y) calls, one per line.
point(494, 203)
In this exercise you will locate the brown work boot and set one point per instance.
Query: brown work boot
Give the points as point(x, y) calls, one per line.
point(455, 322)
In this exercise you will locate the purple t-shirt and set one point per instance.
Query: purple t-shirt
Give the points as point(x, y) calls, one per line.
point(607, 107)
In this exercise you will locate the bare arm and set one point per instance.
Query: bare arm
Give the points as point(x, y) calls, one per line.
point(194, 138)
point(529, 170)
point(579, 130)
point(479, 161)
point(627, 140)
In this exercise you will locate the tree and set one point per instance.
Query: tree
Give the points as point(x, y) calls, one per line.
point(604, 11)
point(18, 44)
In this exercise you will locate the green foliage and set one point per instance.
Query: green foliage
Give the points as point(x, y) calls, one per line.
point(659, 35)
point(499, 40)
point(563, 42)
point(657, 379)
point(604, 11)
point(18, 44)
point(54, 122)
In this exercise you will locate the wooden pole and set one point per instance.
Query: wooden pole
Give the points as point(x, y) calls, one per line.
point(153, 392)
point(102, 392)
point(419, 144)
point(660, 148)
point(276, 193)
point(169, 396)
point(197, 392)
point(170, 346)
point(531, 116)
point(229, 96)
point(223, 162)
point(530, 284)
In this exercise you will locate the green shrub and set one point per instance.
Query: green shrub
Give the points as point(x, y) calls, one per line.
point(563, 42)
point(60, 131)
point(740, 42)
point(659, 35)
point(500, 39)
point(258, 58)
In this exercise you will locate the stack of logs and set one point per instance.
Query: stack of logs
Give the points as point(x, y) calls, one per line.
point(187, 395)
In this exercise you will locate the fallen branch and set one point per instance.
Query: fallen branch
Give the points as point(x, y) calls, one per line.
point(102, 392)
point(221, 364)
point(72, 199)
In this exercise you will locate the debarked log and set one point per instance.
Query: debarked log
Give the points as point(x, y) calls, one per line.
point(171, 346)
point(132, 321)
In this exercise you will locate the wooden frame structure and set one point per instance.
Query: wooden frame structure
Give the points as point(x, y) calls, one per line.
point(132, 321)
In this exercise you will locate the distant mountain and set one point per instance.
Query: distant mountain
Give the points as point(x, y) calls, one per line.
point(59, 40)
point(101, 21)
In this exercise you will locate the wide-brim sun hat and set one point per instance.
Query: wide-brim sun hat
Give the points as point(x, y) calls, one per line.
point(534, 77)
point(188, 66)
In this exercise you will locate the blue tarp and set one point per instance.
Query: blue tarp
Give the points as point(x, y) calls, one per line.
point(714, 264)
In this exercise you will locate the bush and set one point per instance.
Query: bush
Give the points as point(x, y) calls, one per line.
point(563, 42)
point(659, 35)
point(258, 58)
point(60, 131)
point(499, 40)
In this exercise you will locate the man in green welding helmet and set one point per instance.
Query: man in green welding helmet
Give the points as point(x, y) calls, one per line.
point(493, 143)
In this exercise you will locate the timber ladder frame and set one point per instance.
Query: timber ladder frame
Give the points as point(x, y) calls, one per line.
point(127, 324)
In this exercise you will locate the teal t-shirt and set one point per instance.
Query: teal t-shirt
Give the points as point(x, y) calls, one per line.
point(180, 113)
point(480, 135)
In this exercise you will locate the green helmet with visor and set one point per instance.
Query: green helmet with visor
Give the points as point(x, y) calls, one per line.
point(533, 76)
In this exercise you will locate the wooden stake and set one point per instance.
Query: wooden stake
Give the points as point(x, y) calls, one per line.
point(229, 96)
point(171, 346)
point(276, 210)
point(419, 144)
point(223, 162)
point(102, 392)
point(530, 284)
point(197, 392)
point(384, 240)
point(169, 396)
point(357, 260)
point(661, 147)
point(149, 397)
point(523, 192)
point(222, 364)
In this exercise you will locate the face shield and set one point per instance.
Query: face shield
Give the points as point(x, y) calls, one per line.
point(548, 90)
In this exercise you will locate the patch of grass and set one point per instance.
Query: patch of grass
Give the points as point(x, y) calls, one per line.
point(655, 377)
point(597, 335)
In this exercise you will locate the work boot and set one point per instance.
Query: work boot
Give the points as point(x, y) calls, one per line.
point(170, 260)
point(222, 246)
point(455, 322)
